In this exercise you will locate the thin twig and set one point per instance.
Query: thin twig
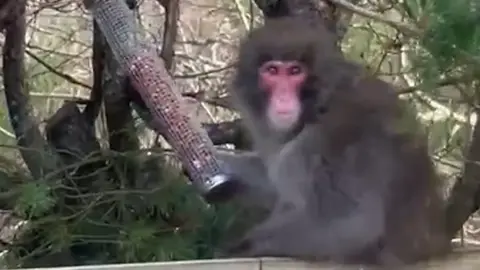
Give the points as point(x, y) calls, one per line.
point(405, 28)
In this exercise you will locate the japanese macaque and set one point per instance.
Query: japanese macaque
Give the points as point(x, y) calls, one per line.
point(351, 186)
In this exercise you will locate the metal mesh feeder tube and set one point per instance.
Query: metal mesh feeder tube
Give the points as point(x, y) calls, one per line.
point(151, 79)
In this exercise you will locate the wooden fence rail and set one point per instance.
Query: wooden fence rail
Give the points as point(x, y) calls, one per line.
point(461, 260)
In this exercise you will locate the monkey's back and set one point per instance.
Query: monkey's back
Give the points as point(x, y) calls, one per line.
point(416, 224)
point(369, 152)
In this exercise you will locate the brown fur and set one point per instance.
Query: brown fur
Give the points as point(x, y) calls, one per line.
point(351, 187)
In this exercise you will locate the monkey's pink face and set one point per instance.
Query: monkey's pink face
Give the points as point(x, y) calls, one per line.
point(283, 81)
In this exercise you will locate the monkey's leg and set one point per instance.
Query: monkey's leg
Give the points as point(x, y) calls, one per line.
point(263, 241)
point(278, 215)
point(334, 238)
point(268, 229)
point(387, 258)
point(283, 212)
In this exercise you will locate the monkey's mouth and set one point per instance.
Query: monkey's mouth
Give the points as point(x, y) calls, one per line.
point(284, 121)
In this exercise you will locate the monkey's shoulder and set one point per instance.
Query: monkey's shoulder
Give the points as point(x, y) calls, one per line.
point(371, 91)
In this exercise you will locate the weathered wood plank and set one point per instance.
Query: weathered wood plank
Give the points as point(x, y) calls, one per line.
point(230, 264)
point(461, 260)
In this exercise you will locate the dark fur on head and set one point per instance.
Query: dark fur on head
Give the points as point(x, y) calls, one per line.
point(331, 79)
point(289, 45)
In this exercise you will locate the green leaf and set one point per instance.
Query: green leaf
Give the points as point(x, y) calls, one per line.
point(34, 200)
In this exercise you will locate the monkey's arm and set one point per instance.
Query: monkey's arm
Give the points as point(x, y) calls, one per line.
point(345, 236)
point(248, 167)
point(331, 217)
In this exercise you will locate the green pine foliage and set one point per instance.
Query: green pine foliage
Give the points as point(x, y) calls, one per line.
point(450, 45)
point(448, 54)
point(164, 220)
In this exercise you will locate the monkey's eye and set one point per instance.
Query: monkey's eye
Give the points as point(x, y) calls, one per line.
point(272, 70)
point(295, 70)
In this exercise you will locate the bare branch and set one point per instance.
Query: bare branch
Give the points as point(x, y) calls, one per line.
point(34, 148)
point(405, 28)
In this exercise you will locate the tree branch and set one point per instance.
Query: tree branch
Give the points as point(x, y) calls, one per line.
point(462, 201)
point(405, 28)
point(36, 153)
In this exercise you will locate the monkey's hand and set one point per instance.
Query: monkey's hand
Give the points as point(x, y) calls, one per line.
point(257, 189)
point(287, 241)
point(237, 249)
